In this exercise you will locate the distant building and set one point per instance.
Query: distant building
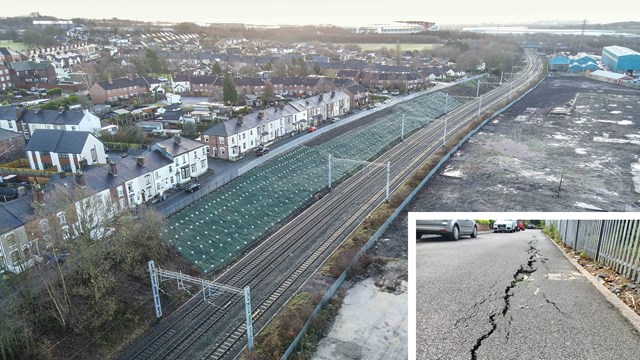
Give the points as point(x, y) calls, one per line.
point(399, 27)
point(621, 59)
point(559, 63)
point(28, 74)
point(610, 77)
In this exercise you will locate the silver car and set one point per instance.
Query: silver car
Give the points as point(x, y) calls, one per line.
point(452, 229)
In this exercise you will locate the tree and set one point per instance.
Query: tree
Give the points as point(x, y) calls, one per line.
point(269, 93)
point(229, 92)
point(216, 69)
point(31, 37)
point(88, 74)
point(189, 130)
point(281, 68)
point(317, 70)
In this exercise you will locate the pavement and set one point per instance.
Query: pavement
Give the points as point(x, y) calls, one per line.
point(512, 296)
point(372, 323)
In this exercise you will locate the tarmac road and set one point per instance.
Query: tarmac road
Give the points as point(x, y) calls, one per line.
point(512, 296)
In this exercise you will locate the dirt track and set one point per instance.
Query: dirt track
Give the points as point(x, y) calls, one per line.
point(515, 163)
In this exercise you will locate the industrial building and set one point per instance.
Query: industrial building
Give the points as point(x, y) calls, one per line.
point(621, 60)
point(398, 27)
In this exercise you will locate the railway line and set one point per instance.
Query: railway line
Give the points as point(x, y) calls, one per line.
point(214, 328)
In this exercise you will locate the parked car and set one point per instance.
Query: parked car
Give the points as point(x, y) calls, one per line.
point(520, 225)
point(530, 226)
point(192, 187)
point(262, 150)
point(312, 129)
point(505, 226)
point(452, 229)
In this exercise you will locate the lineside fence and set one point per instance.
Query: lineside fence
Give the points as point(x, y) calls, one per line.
point(615, 243)
point(378, 234)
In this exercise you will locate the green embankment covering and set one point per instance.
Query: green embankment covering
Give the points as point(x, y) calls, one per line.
point(219, 226)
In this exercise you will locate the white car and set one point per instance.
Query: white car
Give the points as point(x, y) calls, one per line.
point(505, 226)
point(451, 229)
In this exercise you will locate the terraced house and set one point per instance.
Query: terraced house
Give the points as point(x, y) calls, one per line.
point(234, 138)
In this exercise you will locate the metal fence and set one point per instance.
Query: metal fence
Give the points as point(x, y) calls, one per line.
point(195, 196)
point(378, 234)
point(614, 243)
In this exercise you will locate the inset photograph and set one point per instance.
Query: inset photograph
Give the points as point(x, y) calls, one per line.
point(526, 286)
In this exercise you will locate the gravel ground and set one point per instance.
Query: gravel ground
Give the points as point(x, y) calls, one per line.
point(516, 162)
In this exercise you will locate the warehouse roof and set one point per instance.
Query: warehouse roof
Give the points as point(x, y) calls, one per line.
point(620, 50)
point(610, 75)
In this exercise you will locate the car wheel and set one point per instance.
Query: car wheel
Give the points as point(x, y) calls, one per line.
point(474, 233)
point(455, 235)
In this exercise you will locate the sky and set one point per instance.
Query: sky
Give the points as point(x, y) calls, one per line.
point(336, 12)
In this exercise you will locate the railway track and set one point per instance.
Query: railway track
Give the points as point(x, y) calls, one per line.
point(213, 328)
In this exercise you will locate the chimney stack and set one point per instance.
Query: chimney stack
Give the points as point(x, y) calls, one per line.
point(83, 164)
point(38, 194)
point(333, 94)
point(113, 169)
point(109, 79)
point(240, 120)
point(61, 109)
point(80, 179)
point(177, 139)
point(141, 160)
point(261, 114)
point(320, 98)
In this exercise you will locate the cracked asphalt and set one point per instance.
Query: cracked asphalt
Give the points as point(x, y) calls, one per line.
point(511, 296)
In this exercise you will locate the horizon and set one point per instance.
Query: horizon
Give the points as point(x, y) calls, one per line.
point(354, 13)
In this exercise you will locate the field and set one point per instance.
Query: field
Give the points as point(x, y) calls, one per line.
point(392, 46)
point(13, 45)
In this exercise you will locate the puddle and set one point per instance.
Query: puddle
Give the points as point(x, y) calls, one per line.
point(615, 112)
point(625, 122)
point(449, 171)
point(581, 151)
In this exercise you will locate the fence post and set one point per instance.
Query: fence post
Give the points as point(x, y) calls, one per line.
point(566, 230)
point(600, 241)
point(577, 233)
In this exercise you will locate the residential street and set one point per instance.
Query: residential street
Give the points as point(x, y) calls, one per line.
point(511, 296)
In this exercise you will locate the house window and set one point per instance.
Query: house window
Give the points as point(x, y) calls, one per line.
point(94, 154)
point(132, 199)
point(65, 232)
point(251, 132)
point(233, 140)
point(61, 218)
point(221, 151)
point(120, 192)
point(44, 226)
point(204, 150)
point(185, 172)
point(203, 163)
point(170, 169)
point(147, 179)
point(244, 136)
point(10, 125)
point(193, 168)
point(130, 187)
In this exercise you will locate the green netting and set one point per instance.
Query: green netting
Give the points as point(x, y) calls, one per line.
point(217, 227)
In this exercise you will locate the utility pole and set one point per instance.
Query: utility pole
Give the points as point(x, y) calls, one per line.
point(478, 91)
point(501, 74)
point(329, 171)
point(560, 185)
point(402, 129)
point(446, 104)
point(480, 106)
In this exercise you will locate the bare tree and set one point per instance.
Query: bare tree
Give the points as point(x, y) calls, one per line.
point(88, 74)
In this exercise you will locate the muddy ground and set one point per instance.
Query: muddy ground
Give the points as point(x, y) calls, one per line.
point(517, 161)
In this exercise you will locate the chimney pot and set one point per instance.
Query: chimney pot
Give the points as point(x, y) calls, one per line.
point(141, 160)
point(240, 120)
point(177, 139)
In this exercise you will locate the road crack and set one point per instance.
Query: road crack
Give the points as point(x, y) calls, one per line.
point(525, 269)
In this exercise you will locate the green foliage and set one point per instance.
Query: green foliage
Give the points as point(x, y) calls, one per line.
point(216, 68)
point(229, 92)
point(189, 129)
point(62, 101)
point(54, 92)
